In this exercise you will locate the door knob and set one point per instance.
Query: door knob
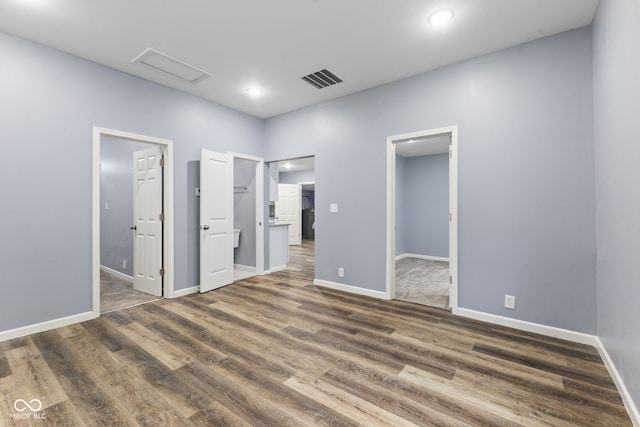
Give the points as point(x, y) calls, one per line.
point(133, 227)
point(205, 227)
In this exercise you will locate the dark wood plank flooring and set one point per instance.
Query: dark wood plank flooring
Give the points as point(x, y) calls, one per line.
point(278, 351)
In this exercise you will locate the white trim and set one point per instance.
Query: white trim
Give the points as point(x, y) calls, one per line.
point(46, 326)
point(351, 289)
point(427, 257)
point(120, 275)
point(260, 228)
point(186, 291)
point(244, 267)
point(523, 325)
point(168, 196)
point(453, 208)
point(632, 410)
point(278, 268)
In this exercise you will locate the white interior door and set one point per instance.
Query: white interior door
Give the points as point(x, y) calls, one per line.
point(147, 225)
point(289, 209)
point(216, 220)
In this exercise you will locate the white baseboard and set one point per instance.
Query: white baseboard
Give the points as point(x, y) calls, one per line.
point(186, 291)
point(46, 326)
point(244, 267)
point(632, 410)
point(274, 269)
point(550, 331)
point(351, 289)
point(117, 273)
point(429, 257)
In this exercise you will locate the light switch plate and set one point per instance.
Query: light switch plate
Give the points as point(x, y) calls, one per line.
point(510, 302)
point(333, 207)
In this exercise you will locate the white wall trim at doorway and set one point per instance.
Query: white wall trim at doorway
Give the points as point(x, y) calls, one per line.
point(168, 198)
point(453, 207)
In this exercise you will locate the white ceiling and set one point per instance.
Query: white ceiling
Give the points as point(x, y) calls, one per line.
point(271, 44)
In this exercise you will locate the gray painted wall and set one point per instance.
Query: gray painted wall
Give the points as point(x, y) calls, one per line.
point(426, 205)
point(616, 61)
point(56, 99)
point(526, 179)
point(244, 211)
point(116, 193)
point(296, 177)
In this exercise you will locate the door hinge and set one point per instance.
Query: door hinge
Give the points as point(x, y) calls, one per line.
point(450, 217)
point(451, 154)
point(161, 162)
point(162, 217)
point(161, 272)
point(450, 280)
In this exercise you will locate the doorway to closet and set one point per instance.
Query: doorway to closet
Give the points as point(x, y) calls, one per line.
point(421, 203)
point(132, 219)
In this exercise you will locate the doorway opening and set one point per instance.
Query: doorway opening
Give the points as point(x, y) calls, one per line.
point(422, 218)
point(292, 210)
point(248, 216)
point(143, 210)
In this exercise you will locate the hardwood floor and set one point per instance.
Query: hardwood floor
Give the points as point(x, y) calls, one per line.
point(277, 351)
point(116, 293)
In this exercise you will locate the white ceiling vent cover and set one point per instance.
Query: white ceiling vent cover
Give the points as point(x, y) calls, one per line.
point(171, 67)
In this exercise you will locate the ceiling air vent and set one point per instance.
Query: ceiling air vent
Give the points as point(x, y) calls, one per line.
point(171, 67)
point(321, 79)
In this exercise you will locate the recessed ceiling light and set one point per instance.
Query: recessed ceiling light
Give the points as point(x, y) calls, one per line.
point(288, 166)
point(441, 17)
point(254, 91)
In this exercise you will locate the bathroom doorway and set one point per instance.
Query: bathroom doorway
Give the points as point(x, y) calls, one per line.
point(422, 218)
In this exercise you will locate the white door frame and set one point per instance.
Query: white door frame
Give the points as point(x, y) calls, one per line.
point(168, 225)
point(260, 228)
point(453, 209)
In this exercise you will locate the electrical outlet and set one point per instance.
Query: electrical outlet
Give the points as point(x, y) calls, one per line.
point(510, 302)
point(333, 208)
point(340, 272)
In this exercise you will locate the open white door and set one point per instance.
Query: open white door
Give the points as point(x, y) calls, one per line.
point(289, 209)
point(147, 225)
point(216, 220)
